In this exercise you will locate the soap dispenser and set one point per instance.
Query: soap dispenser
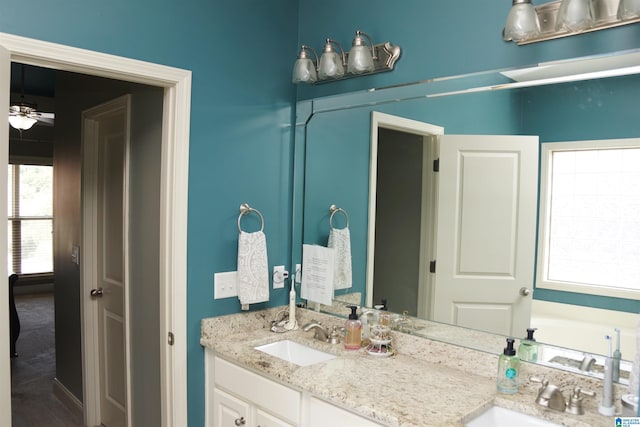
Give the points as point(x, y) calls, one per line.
point(528, 349)
point(508, 368)
point(353, 331)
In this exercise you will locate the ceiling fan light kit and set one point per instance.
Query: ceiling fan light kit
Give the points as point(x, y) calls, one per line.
point(23, 115)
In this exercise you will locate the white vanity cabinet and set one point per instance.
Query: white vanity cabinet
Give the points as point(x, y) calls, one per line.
point(236, 396)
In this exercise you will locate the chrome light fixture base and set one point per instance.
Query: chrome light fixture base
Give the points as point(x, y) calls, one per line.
point(605, 16)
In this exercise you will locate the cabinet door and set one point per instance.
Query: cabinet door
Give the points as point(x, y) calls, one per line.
point(323, 414)
point(229, 411)
point(264, 419)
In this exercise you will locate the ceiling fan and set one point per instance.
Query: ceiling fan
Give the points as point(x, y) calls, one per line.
point(23, 115)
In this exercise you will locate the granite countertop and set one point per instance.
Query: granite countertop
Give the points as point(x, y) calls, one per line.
point(427, 383)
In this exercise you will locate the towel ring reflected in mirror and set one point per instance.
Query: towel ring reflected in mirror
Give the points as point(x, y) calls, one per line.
point(245, 209)
point(334, 209)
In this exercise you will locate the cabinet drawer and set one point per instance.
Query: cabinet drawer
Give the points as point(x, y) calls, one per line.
point(275, 398)
point(322, 414)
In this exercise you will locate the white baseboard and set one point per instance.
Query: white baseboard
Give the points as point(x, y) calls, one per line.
point(65, 396)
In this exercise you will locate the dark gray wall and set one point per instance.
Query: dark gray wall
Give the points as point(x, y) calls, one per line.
point(398, 219)
point(75, 93)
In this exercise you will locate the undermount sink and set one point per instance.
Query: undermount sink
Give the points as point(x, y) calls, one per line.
point(496, 416)
point(294, 352)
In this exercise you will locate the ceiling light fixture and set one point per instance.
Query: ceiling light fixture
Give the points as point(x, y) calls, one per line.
point(20, 117)
point(363, 59)
point(23, 115)
point(563, 18)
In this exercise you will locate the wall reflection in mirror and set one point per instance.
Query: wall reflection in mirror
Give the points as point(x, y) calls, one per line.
point(394, 213)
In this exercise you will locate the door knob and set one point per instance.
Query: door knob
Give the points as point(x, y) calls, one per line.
point(525, 292)
point(240, 421)
point(96, 292)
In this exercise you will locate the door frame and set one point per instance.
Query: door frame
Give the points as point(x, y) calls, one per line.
point(173, 202)
point(402, 124)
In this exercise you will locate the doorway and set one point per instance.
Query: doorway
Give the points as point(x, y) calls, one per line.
point(172, 168)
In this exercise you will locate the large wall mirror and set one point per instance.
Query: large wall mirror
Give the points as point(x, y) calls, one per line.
point(372, 153)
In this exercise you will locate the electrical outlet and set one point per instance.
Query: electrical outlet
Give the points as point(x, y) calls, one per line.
point(225, 285)
point(279, 276)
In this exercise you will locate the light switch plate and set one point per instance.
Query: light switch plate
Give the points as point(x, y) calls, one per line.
point(225, 285)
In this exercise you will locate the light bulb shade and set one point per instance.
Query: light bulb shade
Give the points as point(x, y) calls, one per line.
point(522, 22)
point(304, 71)
point(629, 9)
point(330, 66)
point(360, 60)
point(574, 15)
point(21, 122)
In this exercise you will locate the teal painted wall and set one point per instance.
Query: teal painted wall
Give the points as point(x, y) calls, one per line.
point(438, 38)
point(241, 145)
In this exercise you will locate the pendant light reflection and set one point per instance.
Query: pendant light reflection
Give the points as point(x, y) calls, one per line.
point(304, 69)
point(522, 22)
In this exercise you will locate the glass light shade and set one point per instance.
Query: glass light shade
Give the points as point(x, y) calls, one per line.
point(330, 66)
point(629, 9)
point(21, 122)
point(522, 22)
point(360, 60)
point(304, 71)
point(574, 15)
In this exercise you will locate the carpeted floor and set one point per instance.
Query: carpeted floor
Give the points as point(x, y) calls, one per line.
point(33, 403)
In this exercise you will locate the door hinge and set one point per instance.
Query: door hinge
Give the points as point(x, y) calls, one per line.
point(432, 266)
point(436, 165)
point(171, 338)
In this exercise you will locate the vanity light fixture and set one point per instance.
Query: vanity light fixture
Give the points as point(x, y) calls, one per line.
point(363, 59)
point(563, 18)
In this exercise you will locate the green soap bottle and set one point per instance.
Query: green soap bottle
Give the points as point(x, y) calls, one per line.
point(508, 369)
point(528, 349)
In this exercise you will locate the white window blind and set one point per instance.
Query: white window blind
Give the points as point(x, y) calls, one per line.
point(591, 223)
point(30, 215)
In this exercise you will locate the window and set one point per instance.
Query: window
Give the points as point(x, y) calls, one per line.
point(589, 239)
point(30, 203)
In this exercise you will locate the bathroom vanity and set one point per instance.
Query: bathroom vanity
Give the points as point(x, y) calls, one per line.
point(428, 383)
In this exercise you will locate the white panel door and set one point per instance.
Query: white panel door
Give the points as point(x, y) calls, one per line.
point(487, 199)
point(110, 122)
point(5, 370)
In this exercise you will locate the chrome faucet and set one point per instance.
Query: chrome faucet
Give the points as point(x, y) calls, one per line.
point(587, 363)
point(321, 333)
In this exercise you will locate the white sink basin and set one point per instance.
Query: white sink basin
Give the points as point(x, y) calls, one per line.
point(295, 353)
point(496, 416)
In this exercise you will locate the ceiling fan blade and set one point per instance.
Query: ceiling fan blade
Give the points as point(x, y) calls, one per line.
point(44, 115)
point(48, 121)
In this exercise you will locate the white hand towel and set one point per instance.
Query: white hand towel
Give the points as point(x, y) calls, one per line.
point(253, 274)
point(340, 241)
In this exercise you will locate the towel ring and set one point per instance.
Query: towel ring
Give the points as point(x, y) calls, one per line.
point(245, 209)
point(334, 209)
